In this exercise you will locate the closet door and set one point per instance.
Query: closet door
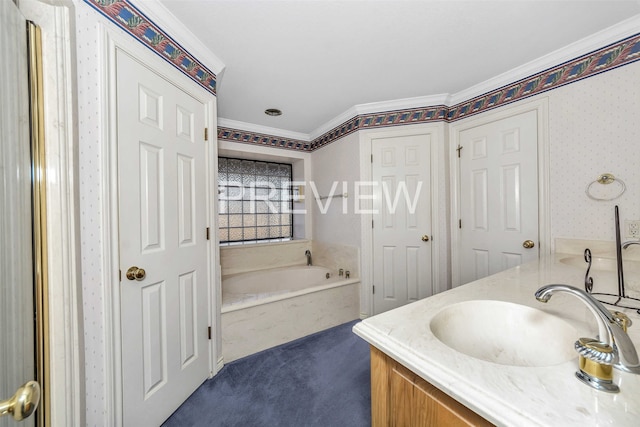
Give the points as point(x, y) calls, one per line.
point(163, 243)
point(498, 196)
point(401, 174)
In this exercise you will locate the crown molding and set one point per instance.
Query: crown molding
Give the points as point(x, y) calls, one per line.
point(379, 107)
point(613, 34)
point(263, 130)
point(163, 18)
point(514, 85)
point(403, 104)
point(336, 121)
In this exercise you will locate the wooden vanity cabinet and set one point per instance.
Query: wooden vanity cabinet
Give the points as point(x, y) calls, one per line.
point(401, 398)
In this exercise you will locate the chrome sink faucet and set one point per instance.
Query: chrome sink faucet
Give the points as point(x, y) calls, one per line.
point(625, 245)
point(307, 253)
point(611, 328)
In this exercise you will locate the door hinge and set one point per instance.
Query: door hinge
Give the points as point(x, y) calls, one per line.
point(459, 149)
point(208, 233)
point(371, 223)
point(120, 275)
point(206, 134)
point(374, 289)
point(209, 332)
point(372, 158)
point(459, 223)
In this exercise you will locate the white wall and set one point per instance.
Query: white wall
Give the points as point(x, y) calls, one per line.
point(338, 161)
point(90, 130)
point(594, 128)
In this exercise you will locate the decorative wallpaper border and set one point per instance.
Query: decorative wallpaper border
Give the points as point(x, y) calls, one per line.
point(134, 22)
point(615, 55)
point(604, 59)
point(392, 118)
point(129, 18)
point(246, 137)
point(382, 119)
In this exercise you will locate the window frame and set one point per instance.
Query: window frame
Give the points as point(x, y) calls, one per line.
point(256, 201)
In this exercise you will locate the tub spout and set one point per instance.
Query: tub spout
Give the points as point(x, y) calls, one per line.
point(307, 253)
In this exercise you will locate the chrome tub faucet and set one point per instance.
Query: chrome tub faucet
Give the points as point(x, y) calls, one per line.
point(307, 253)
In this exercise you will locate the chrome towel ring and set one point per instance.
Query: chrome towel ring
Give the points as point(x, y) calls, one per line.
point(605, 179)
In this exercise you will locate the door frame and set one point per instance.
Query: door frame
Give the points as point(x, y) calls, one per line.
point(111, 41)
point(541, 107)
point(437, 132)
point(66, 387)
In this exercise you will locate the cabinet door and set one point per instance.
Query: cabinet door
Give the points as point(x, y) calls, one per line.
point(401, 398)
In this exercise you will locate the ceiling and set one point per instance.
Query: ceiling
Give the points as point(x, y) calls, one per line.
point(315, 59)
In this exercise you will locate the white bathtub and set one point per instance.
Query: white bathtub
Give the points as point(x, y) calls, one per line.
point(260, 287)
point(265, 308)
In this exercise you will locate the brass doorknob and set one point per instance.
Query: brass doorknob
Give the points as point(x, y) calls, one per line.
point(23, 403)
point(135, 273)
point(528, 244)
point(425, 238)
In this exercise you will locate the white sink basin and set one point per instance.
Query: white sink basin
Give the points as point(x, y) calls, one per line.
point(601, 264)
point(505, 333)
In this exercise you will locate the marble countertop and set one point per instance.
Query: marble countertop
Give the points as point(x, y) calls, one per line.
point(503, 394)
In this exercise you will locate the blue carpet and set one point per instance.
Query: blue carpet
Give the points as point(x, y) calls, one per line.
point(319, 380)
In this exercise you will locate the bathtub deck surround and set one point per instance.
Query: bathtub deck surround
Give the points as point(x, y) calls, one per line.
point(539, 393)
point(246, 331)
point(336, 257)
point(271, 296)
point(260, 256)
point(259, 287)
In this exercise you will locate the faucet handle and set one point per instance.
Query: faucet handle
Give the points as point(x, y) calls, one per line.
point(596, 364)
point(622, 320)
point(595, 350)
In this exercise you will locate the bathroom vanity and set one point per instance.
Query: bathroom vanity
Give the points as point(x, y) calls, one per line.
point(431, 363)
point(402, 398)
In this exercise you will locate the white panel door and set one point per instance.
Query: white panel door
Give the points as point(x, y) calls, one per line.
point(401, 174)
point(162, 217)
point(498, 196)
point(17, 352)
